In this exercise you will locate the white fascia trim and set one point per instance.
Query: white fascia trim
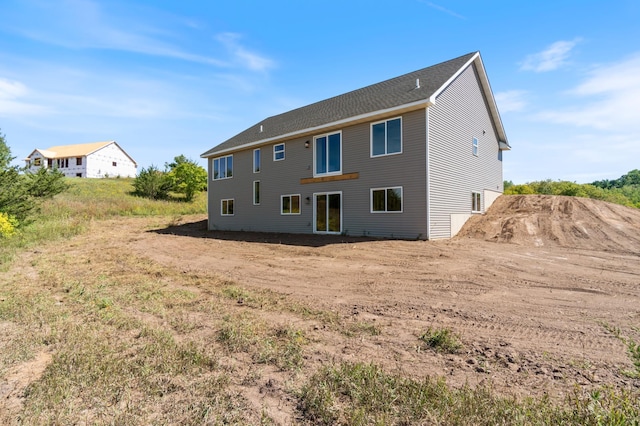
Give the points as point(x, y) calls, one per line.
point(357, 118)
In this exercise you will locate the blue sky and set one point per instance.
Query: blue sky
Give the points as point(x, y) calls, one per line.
point(165, 78)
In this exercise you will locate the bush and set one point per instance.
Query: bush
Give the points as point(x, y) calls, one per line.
point(8, 225)
point(152, 183)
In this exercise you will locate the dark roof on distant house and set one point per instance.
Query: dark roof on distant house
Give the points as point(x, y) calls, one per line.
point(415, 88)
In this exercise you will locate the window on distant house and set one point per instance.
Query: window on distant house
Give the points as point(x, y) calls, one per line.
point(256, 192)
point(475, 146)
point(114, 164)
point(386, 200)
point(476, 206)
point(78, 174)
point(278, 152)
point(290, 204)
point(37, 162)
point(386, 137)
point(223, 167)
point(226, 207)
point(78, 161)
point(62, 163)
point(256, 160)
point(327, 154)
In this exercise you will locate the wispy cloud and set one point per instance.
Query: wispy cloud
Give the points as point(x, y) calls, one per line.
point(511, 100)
point(609, 99)
point(443, 9)
point(552, 58)
point(248, 59)
point(87, 24)
point(13, 102)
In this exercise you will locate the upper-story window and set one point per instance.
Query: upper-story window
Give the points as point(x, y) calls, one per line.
point(386, 137)
point(474, 146)
point(256, 160)
point(223, 167)
point(278, 152)
point(327, 154)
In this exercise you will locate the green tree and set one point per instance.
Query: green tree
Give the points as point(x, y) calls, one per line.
point(21, 193)
point(187, 177)
point(152, 183)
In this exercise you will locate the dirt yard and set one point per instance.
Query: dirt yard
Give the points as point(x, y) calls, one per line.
point(533, 289)
point(541, 291)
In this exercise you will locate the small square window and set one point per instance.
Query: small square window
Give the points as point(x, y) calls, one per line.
point(386, 137)
point(278, 152)
point(386, 200)
point(37, 161)
point(226, 207)
point(78, 161)
point(475, 146)
point(114, 164)
point(290, 204)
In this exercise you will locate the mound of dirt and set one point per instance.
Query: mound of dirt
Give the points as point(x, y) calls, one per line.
point(539, 220)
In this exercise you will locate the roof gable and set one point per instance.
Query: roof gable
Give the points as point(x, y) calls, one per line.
point(415, 88)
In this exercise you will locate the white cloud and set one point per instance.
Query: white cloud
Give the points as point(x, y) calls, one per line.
point(552, 58)
point(443, 9)
point(12, 102)
point(511, 100)
point(609, 99)
point(248, 59)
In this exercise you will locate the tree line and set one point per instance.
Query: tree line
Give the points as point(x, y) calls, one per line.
point(625, 190)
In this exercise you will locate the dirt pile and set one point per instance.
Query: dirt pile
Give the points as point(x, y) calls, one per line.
point(540, 220)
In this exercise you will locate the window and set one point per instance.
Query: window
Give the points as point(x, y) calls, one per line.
point(475, 146)
point(328, 154)
point(226, 207)
point(78, 161)
point(223, 167)
point(256, 192)
point(476, 205)
point(290, 204)
point(386, 137)
point(278, 152)
point(62, 162)
point(386, 200)
point(114, 164)
point(256, 160)
point(37, 161)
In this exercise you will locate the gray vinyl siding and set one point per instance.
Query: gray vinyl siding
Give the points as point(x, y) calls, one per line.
point(283, 177)
point(460, 114)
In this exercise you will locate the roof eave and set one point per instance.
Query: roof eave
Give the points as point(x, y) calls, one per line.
point(423, 103)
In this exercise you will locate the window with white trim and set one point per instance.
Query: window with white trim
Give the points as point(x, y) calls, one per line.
point(386, 200)
point(327, 154)
point(223, 167)
point(226, 207)
point(290, 204)
point(386, 137)
point(474, 147)
point(256, 192)
point(278, 152)
point(476, 202)
point(256, 160)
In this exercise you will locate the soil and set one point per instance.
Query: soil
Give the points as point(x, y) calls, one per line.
point(533, 289)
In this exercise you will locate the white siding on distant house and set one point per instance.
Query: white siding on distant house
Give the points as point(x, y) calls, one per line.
point(100, 163)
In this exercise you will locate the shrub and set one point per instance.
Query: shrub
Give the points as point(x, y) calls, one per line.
point(8, 225)
point(152, 183)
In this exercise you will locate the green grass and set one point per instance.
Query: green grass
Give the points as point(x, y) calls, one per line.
point(363, 394)
point(441, 340)
point(69, 213)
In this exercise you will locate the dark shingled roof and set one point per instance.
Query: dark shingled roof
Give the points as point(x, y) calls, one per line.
point(380, 96)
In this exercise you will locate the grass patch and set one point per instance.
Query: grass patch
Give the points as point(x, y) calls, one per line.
point(441, 340)
point(362, 394)
point(633, 349)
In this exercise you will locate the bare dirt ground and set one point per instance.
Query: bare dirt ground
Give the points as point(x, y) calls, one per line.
point(533, 289)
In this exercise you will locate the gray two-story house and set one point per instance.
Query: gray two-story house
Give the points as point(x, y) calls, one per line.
point(410, 157)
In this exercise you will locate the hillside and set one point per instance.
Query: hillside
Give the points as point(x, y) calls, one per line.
point(543, 220)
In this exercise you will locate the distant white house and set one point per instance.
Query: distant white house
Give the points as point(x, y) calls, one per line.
point(90, 160)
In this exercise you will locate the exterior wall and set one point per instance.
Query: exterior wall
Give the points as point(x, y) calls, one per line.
point(283, 177)
point(99, 164)
point(460, 114)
